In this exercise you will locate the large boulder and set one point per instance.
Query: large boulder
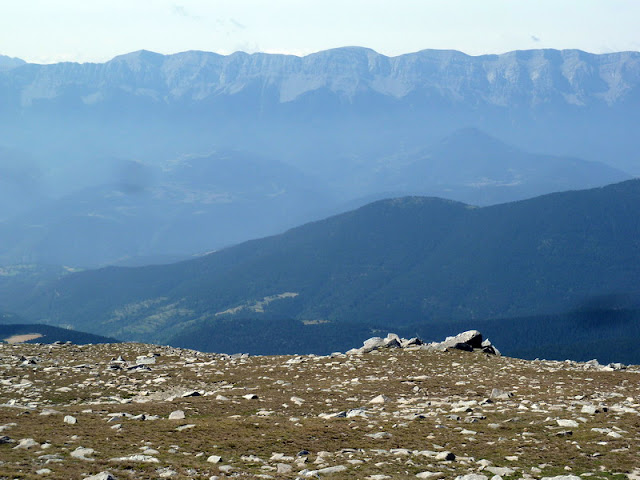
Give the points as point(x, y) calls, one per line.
point(372, 344)
point(473, 338)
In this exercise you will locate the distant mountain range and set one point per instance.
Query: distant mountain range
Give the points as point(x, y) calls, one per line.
point(153, 156)
point(389, 265)
point(198, 204)
point(334, 105)
point(7, 63)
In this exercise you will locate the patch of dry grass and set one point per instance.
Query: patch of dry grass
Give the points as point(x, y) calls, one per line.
point(425, 413)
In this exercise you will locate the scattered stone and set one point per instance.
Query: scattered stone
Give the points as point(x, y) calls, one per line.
point(82, 454)
point(446, 456)
point(70, 420)
point(497, 394)
point(380, 399)
point(166, 472)
point(430, 475)
point(589, 410)
point(323, 471)
point(177, 415)
point(562, 477)
point(378, 435)
point(101, 476)
point(567, 423)
point(501, 471)
point(136, 458)
point(26, 443)
point(145, 360)
point(443, 392)
point(191, 393)
point(182, 428)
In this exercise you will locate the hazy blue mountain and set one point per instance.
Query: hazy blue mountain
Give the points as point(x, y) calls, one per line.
point(473, 167)
point(7, 63)
point(100, 165)
point(197, 204)
point(327, 108)
point(21, 183)
point(390, 264)
point(190, 206)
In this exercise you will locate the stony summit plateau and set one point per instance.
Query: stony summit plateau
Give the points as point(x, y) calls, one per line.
point(139, 411)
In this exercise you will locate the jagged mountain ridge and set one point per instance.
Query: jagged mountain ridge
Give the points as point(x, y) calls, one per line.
point(520, 77)
point(326, 109)
point(7, 63)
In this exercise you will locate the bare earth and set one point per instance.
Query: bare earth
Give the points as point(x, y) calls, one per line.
point(23, 338)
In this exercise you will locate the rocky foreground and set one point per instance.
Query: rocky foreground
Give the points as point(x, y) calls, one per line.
point(126, 411)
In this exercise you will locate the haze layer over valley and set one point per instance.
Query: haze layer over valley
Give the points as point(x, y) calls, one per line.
point(114, 162)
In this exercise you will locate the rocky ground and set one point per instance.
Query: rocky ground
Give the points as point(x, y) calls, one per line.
point(146, 412)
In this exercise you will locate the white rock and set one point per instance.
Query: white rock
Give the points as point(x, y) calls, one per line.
point(329, 470)
point(470, 337)
point(380, 399)
point(448, 456)
point(26, 443)
point(371, 344)
point(589, 409)
point(166, 473)
point(378, 435)
point(136, 458)
point(70, 420)
point(567, 423)
point(392, 341)
point(145, 360)
point(176, 415)
point(562, 477)
point(501, 471)
point(185, 427)
point(81, 453)
point(497, 394)
point(101, 476)
point(430, 475)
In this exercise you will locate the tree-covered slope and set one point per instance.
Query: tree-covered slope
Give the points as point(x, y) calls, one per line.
point(393, 262)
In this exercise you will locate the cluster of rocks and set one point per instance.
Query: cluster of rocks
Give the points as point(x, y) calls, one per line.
point(469, 341)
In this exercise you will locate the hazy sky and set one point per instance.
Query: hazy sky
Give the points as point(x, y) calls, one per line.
point(96, 30)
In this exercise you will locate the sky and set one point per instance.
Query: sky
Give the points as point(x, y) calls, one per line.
point(48, 31)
